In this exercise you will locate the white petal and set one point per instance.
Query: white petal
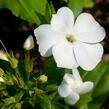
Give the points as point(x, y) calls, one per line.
point(63, 21)
point(87, 55)
point(77, 76)
point(29, 43)
point(72, 98)
point(46, 37)
point(63, 55)
point(64, 89)
point(88, 30)
point(68, 78)
point(85, 87)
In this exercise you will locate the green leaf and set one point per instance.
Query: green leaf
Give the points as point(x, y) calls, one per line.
point(103, 85)
point(97, 102)
point(19, 96)
point(77, 5)
point(52, 87)
point(52, 8)
point(28, 9)
point(9, 100)
point(37, 5)
point(60, 106)
point(33, 7)
point(45, 102)
point(2, 86)
point(88, 3)
point(2, 3)
point(96, 74)
point(5, 66)
point(84, 107)
point(18, 10)
point(85, 99)
point(17, 106)
point(55, 75)
point(100, 77)
point(1, 72)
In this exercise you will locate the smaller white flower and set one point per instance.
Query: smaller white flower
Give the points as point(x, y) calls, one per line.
point(29, 43)
point(1, 79)
point(72, 87)
point(3, 55)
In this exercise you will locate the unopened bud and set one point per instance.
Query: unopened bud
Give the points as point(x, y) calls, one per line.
point(29, 43)
point(12, 60)
point(3, 55)
point(1, 79)
point(43, 78)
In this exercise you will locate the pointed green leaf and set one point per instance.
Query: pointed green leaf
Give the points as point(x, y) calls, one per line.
point(45, 102)
point(76, 6)
point(84, 99)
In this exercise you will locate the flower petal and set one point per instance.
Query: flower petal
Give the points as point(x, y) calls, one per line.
point(87, 29)
point(46, 37)
point(63, 55)
point(87, 55)
point(63, 21)
point(68, 78)
point(77, 77)
point(64, 89)
point(85, 87)
point(72, 98)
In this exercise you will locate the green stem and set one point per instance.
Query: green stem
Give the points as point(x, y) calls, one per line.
point(17, 76)
point(27, 64)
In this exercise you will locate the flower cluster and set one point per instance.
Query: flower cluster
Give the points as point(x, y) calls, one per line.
point(72, 86)
point(72, 44)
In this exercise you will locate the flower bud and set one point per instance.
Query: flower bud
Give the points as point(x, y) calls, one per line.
point(29, 43)
point(3, 55)
point(12, 60)
point(43, 78)
point(1, 79)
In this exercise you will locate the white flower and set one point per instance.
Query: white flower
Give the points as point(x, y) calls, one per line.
point(72, 87)
point(72, 43)
point(3, 55)
point(29, 43)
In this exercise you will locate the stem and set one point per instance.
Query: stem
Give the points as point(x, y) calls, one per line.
point(3, 46)
point(17, 76)
point(26, 62)
point(76, 75)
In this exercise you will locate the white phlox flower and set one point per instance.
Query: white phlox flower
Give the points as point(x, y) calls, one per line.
point(72, 43)
point(3, 55)
point(72, 87)
point(29, 43)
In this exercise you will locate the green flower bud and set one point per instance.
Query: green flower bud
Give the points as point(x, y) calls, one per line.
point(12, 60)
point(43, 78)
point(29, 43)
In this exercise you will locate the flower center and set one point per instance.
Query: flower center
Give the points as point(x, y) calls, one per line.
point(70, 38)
